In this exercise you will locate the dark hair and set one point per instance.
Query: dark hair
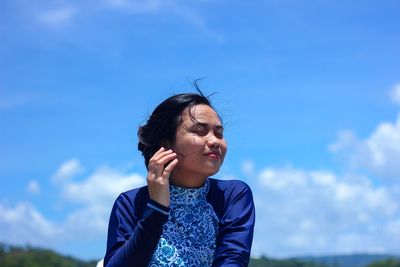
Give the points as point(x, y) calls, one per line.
point(160, 129)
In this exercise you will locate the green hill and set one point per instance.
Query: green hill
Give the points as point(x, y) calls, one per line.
point(353, 260)
point(267, 262)
point(386, 263)
point(16, 256)
point(13, 256)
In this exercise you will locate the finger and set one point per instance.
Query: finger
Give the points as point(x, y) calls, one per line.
point(156, 166)
point(164, 161)
point(160, 153)
point(162, 149)
point(161, 161)
point(169, 168)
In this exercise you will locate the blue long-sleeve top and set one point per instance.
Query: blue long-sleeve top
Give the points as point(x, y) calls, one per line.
point(136, 225)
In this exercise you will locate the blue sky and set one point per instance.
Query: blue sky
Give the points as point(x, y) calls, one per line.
point(309, 92)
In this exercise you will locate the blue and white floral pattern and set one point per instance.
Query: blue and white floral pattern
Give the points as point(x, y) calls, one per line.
point(189, 235)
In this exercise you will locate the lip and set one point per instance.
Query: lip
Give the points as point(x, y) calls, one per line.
point(214, 155)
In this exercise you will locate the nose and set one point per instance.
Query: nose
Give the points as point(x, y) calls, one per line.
point(212, 141)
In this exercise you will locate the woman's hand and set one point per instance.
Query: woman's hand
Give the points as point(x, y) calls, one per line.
point(158, 175)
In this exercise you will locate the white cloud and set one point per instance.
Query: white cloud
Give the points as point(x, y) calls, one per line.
point(24, 224)
point(379, 153)
point(96, 194)
point(57, 17)
point(395, 94)
point(60, 14)
point(318, 212)
point(248, 168)
point(138, 6)
point(33, 187)
point(67, 171)
point(91, 201)
point(181, 9)
point(282, 179)
point(102, 186)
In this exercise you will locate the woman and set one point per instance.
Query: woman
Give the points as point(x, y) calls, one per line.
point(182, 217)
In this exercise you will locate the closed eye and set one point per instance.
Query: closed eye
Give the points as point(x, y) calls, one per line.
point(200, 129)
point(219, 133)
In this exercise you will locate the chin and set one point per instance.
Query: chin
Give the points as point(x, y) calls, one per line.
point(212, 171)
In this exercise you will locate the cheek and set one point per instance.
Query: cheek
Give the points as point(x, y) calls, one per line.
point(190, 144)
point(224, 148)
point(197, 141)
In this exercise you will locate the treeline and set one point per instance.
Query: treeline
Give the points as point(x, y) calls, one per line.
point(14, 256)
point(386, 263)
point(267, 262)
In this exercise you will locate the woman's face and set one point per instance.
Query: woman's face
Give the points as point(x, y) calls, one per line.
point(200, 146)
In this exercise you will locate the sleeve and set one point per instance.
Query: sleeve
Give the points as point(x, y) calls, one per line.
point(131, 241)
point(236, 229)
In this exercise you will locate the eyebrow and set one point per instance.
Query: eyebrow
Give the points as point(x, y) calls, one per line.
point(203, 124)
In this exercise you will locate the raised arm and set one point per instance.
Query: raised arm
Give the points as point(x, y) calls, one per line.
point(137, 220)
point(131, 240)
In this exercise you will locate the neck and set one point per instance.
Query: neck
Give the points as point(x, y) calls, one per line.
point(187, 180)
